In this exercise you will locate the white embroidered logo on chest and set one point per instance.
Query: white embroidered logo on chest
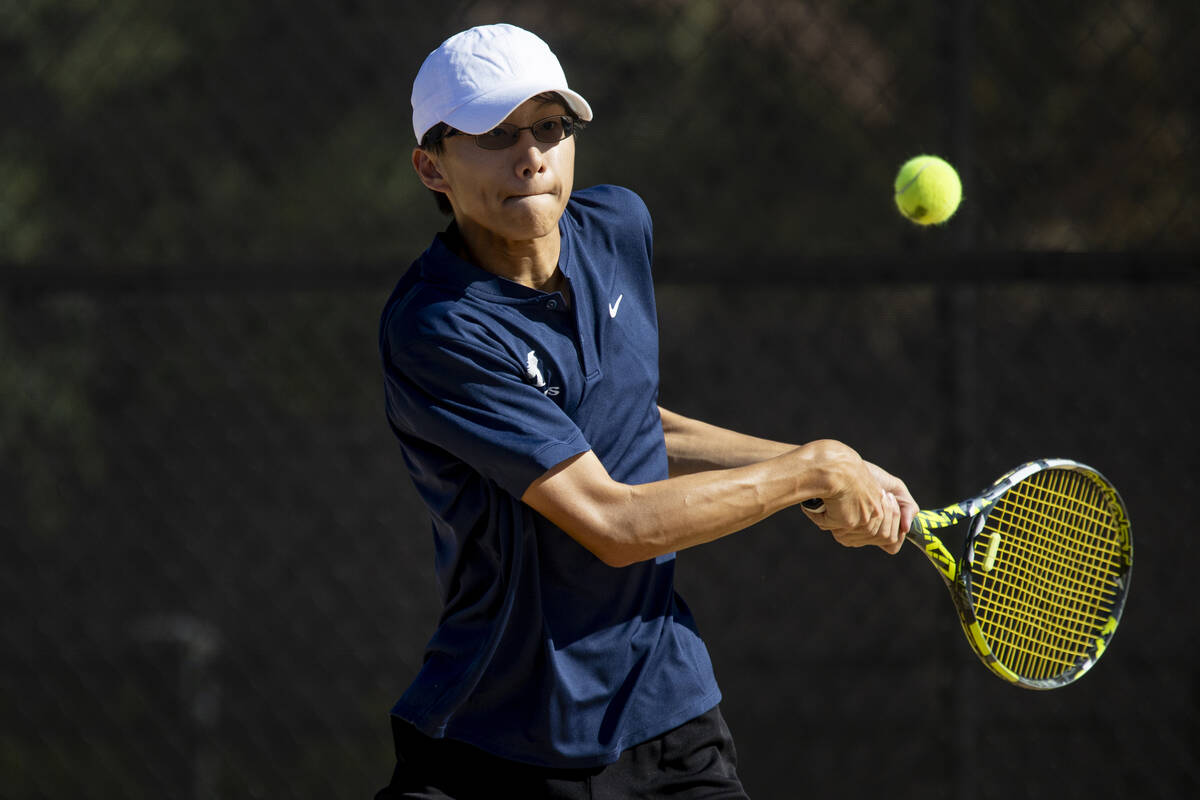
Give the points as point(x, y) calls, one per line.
point(535, 375)
point(531, 369)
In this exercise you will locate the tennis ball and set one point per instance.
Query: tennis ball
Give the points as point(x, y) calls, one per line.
point(928, 190)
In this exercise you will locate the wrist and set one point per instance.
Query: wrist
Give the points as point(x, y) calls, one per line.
point(829, 467)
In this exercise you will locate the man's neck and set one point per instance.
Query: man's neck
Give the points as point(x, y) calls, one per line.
point(532, 262)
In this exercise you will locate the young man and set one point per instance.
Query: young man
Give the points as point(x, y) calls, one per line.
point(520, 355)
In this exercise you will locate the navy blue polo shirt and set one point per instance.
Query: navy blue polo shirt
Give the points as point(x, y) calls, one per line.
point(542, 654)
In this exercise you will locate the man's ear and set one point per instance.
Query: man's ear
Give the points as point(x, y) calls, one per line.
point(428, 171)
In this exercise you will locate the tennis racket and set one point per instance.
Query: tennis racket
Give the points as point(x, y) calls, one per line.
point(1044, 571)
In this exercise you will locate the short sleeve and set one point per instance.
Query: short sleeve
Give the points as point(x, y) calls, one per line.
point(471, 399)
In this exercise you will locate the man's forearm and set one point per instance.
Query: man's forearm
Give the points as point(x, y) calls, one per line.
point(692, 509)
point(622, 523)
point(695, 446)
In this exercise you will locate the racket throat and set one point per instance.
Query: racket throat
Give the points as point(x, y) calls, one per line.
point(935, 550)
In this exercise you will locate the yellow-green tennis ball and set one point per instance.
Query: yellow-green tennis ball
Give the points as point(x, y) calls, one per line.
point(928, 190)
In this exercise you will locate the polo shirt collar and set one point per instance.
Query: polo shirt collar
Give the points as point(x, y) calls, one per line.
point(442, 264)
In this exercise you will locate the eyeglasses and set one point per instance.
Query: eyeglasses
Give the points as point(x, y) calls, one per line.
point(548, 130)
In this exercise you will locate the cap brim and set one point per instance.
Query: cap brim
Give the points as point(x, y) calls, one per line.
point(483, 113)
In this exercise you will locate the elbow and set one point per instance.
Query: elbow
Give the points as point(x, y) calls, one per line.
point(617, 557)
point(601, 515)
point(614, 547)
point(612, 541)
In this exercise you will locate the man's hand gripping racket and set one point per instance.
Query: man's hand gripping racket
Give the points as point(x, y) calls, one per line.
point(1044, 570)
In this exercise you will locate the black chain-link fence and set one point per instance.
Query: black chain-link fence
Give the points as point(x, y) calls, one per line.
point(218, 578)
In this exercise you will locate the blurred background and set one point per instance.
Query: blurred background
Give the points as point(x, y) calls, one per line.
point(217, 577)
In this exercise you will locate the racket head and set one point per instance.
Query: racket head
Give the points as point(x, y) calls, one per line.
point(1045, 573)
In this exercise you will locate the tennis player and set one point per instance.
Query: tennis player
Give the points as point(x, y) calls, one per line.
point(520, 357)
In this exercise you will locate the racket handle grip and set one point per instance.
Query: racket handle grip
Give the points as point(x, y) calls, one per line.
point(814, 504)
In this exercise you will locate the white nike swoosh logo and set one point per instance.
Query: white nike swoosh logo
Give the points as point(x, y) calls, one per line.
point(612, 307)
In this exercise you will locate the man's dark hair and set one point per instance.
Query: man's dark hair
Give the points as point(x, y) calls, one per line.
point(432, 142)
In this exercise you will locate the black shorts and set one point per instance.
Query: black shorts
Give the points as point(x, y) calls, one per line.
point(695, 760)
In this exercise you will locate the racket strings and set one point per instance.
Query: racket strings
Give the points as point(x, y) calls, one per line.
point(1048, 618)
point(1068, 601)
point(1054, 577)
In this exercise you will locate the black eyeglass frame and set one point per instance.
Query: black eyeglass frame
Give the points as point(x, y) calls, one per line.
point(566, 128)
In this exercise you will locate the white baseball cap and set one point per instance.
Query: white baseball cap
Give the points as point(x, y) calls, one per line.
point(478, 77)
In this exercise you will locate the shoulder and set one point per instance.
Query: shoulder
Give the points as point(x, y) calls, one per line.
point(609, 219)
point(610, 204)
point(421, 312)
point(410, 300)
